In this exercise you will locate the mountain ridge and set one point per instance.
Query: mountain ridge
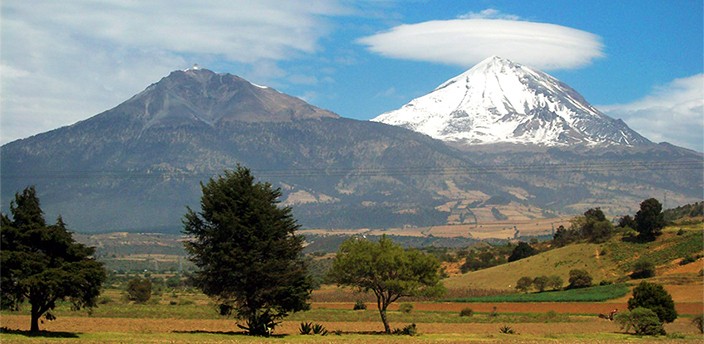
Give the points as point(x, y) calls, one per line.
point(138, 165)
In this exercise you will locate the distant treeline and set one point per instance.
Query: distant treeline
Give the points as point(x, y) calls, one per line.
point(689, 210)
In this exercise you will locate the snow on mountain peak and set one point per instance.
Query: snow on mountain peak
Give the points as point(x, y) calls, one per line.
point(498, 100)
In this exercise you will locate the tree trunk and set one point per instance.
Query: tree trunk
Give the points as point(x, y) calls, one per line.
point(34, 326)
point(382, 312)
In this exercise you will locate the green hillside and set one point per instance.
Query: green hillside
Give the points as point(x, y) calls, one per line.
point(610, 261)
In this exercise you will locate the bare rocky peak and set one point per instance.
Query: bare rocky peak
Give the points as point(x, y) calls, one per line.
point(201, 95)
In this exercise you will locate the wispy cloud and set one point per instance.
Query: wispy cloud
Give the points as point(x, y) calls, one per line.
point(673, 112)
point(476, 36)
point(489, 13)
point(65, 60)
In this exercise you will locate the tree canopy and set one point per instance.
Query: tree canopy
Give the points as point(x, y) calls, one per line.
point(522, 250)
point(42, 264)
point(650, 219)
point(386, 269)
point(248, 254)
point(654, 297)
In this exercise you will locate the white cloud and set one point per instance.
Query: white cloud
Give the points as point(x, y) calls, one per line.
point(489, 13)
point(673, 113)
point(63, 61)
point(464, 42)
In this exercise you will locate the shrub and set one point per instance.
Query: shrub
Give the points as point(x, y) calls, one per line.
point(359, 306)
point(319, 329)
point(522, 250)
point(579, 279)
point(506, 329)
point(698, 321)
point(466, 312)
point(689, 259)
point(654, 297)
point(139, 290)
point(405, 307)
point(306, 328)
point(524, 283)
point(643, 321)
point(643, 268)
point(555, 282)
point(409, 330)
point(540, 283)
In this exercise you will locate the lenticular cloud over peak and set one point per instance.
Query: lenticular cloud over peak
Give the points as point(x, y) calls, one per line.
point(465, 42)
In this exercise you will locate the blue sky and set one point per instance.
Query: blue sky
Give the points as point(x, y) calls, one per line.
point(62, 62)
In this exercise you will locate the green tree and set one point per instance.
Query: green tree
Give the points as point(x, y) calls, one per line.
point(627, 222)
point(42, 264)
point(643, 321)
point(139, 289)
point(643, 268)
point(596, 228)
point(247, 251)
point(579, 279)
point(650, 219)
point(540, 283)
point(524, 284)
point(564, 236)
point(522, 250)
point(654, 297)
point(555, 282)
point(386, 269)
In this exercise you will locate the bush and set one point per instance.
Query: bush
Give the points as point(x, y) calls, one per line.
point(405, 307)
point(524, 283)
point(654, 297)
point(139, 290)
point(319, 329)
point(307, 328)
point(466, 312)
point(643, 321)
point(359, 306)
point(409, 330)
point(579, 279)
point(643, 268)
point(540, 283)
point(506, 329)
point(689, 259)
point(555, 282)
point(522, 250)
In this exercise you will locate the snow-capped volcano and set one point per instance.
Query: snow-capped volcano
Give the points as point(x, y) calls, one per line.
point(502, 101)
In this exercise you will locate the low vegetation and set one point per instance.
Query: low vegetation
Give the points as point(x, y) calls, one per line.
point(592, 294)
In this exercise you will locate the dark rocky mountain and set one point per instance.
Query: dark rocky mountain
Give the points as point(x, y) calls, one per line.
point(137, 166)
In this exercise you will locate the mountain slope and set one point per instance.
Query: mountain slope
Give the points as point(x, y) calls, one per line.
point(137, 166)
point(499, 101)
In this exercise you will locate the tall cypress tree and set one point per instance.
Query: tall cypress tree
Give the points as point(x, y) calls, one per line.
point(43, 264)
point(247, 252)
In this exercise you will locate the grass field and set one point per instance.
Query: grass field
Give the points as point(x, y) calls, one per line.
point(592, 294)
point(548, 317)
